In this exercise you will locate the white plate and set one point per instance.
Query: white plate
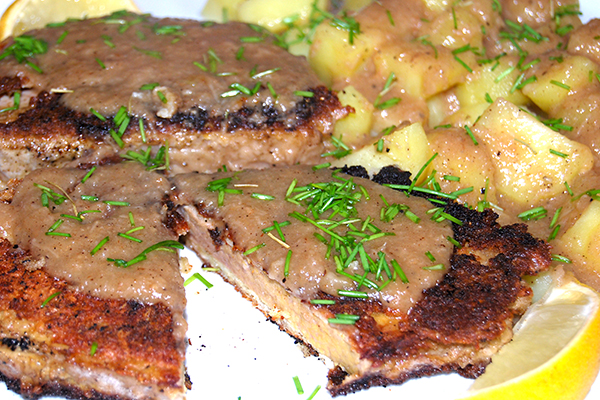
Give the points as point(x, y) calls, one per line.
point(235, 353)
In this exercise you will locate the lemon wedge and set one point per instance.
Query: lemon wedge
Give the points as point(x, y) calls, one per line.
point(24, 15)
point(555, 352)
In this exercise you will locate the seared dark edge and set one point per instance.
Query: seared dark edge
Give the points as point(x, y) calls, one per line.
point(133, 339)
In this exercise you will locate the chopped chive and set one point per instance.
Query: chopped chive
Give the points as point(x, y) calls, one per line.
point(89, 198)
point(314, 393)
point(353, 293)
point(298, 385)
point(261, 196)
point(133, 239)
point(304, 93)
point(321, 166)
point(62, 234)
point(62, 37)
point(98, 115)
point(197, 276)
point(99, 245)
point(88, 212)
point(117, 203)
point(265, 73)
point(49, 298)
point(569, 191)
point(504, 74)
point(554, 233)
point(555, 217)
point(272, 91)
point(560, 84)
point(390, 18)
point(142, 130)
point(117, 138)
point(558, 153)
point(201, 66)
point(454, 242)
point(461, 62)
point(451, 178)
point(55, 225)
point(89, 174)
point(253, 249)
point(162, 97)
point(533, 214)
point(562, 259)
point(322, 301)
point(471, 135)
point(436, 267)
point(75, 217)
point(288, 258)
point(430, 256)
point(149, 86)
point(94, 348)
point(137, 228)
point(100, 63)
point(399, 271)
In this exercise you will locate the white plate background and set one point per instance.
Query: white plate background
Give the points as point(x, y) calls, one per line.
point(235, 353)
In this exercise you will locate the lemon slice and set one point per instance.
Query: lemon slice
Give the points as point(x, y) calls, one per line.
point(555, 352)
point(24, 15)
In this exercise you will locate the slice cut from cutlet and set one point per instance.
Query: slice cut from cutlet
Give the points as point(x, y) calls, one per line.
point(361, 273)
point(218, 94)
point(79, 317)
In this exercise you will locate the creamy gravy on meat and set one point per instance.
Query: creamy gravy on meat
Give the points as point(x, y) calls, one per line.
point(156, 279)
point(103, 66)
point(310, 272)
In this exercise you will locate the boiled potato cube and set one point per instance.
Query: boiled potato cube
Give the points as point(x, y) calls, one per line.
point(581, 242)
point(455, 29)
point(495, 80)
point(355, 127)
point(419, 69)
point(532, 161)
point(334, 58)
point(407, 148)
point(437, 5)
point(461, 164)
point(271, 13)
point(216, 9)
point(558, 80)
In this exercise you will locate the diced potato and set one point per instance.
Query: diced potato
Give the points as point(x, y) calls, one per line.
point(464, 165)
point(355, 127)
point(495, 80)
point(420, 70)
point(333, 57)
point(437, 5)
point(455, 29)
point(558, 80)
point(271, 13)
point(582, 242)
point(407, 148)
point(467, 115)
point(532, 161)
point(356, 5)
point(216, 9)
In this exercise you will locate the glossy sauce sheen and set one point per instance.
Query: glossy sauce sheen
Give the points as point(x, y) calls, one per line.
point(310, 272)
point(144, 53)
point(156, 279)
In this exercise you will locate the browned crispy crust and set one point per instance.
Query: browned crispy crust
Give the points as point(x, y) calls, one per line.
point(133, 339)
point(56, 135)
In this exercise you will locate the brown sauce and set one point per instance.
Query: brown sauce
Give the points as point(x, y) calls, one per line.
point(103, 66)
point(311, 271)
point(155, 279)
